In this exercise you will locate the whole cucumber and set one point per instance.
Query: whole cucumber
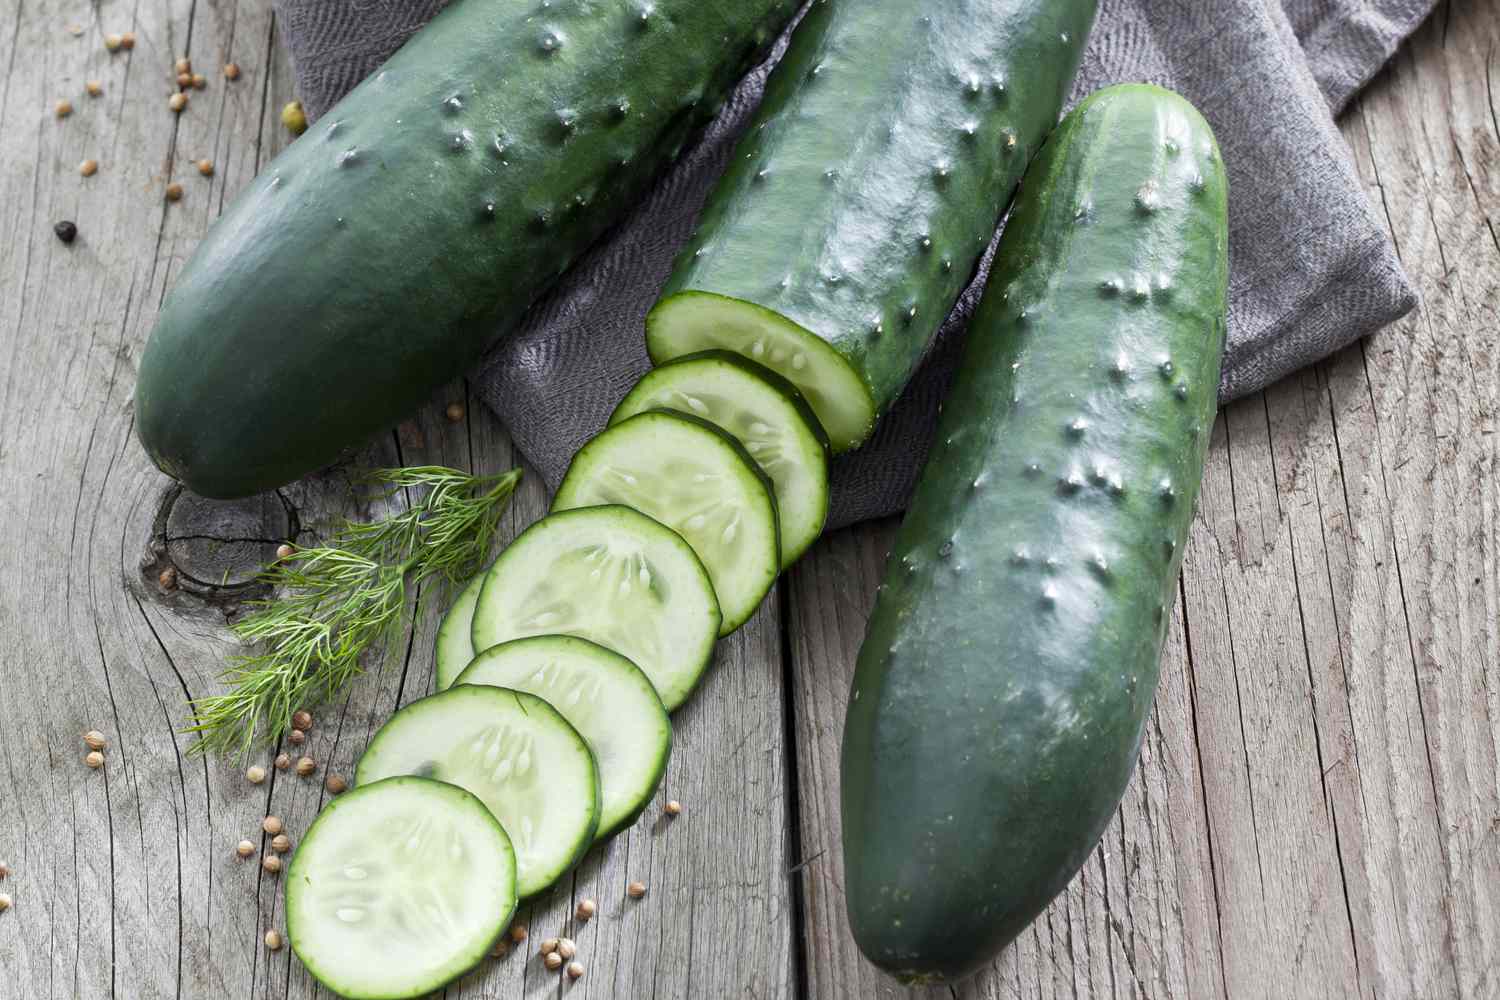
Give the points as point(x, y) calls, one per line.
point(1002, 689)
point(854, 211)
point(377, 256)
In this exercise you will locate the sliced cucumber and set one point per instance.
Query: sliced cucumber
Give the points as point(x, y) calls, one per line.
point(698, 481)
point(694, 321)
point(454, 646)
point(514, 751)
point(606, 698)
point(767, 415)
point(612, 575)
point(399, 887)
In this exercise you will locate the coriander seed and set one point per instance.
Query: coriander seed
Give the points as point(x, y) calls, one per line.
point(232, 71)
point(177, 102)
point(206, 168)
point(88, 168)
point(255, 774)
point(501, 949)
point(566, 948)
point(244, 848)
point(575, 970)
point(273, 940)
point(455, 412)
point(184, 65)
point(518, 933)
point(271, 864)
point(306, 766)
point(636, 890)
point(283, 761)
point(174, 193)
point(272, 825)
point(93, 88)
point(552, 961)
point(281, 843)
point(127, 41)
point(285, 551)
point(113, 42)
point(674, 808)
point(199, 81)
point(94, 740)
point(184, 80)
point(336, 785)
point(296, 737)
point(167, 578)
point(302, 719)
point(63, 108)
point(4, 870)
point(5, 902)
point(586, 909)
point(95, 759)
point(549, 946)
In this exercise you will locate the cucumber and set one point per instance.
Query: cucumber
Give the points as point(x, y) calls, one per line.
point(698, 481)
point(455, 648)
point(380, 253)
point(517, 754)
point(763, 412)
point(854, 211)
point(1002, 689)
point(399, 887)
point(602, 695)
point(611, 575)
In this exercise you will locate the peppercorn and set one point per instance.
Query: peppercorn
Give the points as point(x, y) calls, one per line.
point(232, 71)
point(271, 864)
point(177, 102)
point(174, 193)
point(294, 118)
point(306, 766)
point(272, 825)
point(273, 940)
point(336, 785)
point(255, 774)
point(586, 909)
point(302, 719)
point(244, 848)
point(88, 168)
point(283, 761)
point(94, 740)
point(63, 109)
point(281, 843)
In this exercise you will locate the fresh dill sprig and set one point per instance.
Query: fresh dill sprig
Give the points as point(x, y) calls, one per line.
point(331, 603)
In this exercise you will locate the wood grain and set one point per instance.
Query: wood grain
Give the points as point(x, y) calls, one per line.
point(1317, 809)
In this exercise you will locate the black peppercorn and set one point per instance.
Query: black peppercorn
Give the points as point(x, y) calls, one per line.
point(66, 231)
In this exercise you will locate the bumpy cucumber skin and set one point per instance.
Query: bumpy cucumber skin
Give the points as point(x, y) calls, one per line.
point(379, 254)
point(1001, 692)
point(890, 139)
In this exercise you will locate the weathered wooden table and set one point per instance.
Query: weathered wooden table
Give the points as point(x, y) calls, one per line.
point(1317, 810)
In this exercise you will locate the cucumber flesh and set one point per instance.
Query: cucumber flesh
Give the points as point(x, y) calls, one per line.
point(611, 575)
point(606, 698)
point(455, 648)
point(514, 751)
point(692, 322)
point(696, 480)
point(400, 887)
point(767, 415)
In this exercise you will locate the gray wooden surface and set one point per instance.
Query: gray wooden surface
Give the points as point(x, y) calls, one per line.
point(1317, 810)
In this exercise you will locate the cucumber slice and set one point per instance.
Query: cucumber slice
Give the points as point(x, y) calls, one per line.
point(400, 887)
point(514, 751)
point(691, 322)
point(767, 415)
point(698, 481)
point(606, 698)
point(611, 575)
point(454, 646)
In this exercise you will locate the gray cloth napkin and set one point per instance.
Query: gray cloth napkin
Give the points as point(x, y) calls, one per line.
point(1312, 268)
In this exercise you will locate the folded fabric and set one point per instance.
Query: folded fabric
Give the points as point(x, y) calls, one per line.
point(1312, 268)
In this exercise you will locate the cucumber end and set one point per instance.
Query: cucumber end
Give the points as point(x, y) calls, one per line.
point(692, 321)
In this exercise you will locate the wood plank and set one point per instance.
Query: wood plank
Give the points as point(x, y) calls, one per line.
point(125, 881)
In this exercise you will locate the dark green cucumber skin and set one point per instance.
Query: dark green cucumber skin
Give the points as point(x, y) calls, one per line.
point(337, 292)
point(891, 137)
point(1000, 696)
